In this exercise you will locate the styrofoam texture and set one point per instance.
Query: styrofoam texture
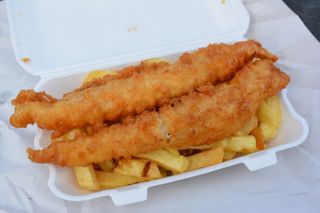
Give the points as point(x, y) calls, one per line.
point(62, 182)
point(62, 37)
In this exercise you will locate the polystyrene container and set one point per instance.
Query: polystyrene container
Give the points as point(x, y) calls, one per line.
point(66, 39)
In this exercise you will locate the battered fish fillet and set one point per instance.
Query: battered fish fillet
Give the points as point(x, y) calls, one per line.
point(209, 114)
point(119, 98)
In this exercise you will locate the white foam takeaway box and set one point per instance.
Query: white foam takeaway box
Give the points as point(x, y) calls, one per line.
point(66, 39)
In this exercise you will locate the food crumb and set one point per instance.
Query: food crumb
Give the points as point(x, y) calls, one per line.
point(25, 60)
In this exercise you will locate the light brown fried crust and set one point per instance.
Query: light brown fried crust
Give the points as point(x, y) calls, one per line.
point(26, 96)
point(120, 98)
point(210, 114)
point(126, 72)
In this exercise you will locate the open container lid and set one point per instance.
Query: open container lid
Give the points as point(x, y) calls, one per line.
point(62, 37)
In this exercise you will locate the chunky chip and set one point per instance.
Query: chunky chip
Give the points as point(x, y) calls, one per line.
point(248, 127)
point(106, 166)
point(206, 158)
point(97, 74)
point(241, 144)
point(110, 180)
point(86, 177)
point(167, 160)
point(270, 117)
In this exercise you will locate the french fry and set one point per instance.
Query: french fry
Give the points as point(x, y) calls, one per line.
point(268, 131)
point(206, 158)
point(163, 172)
point(269, 116)
point(153, 171)
point(107, 166)
point(97, 74)
point(173, 151)
point(234, 144)
point(213, 145)
point(132, 167)
point(270, 111)
point(110, 180)
point(228, 155)
point(259, 138)
point(167, 160)
point(138, 168)
point(154, 60)
point(129, 172)
point(241, 144)
point(248, 127)
point(86, 177)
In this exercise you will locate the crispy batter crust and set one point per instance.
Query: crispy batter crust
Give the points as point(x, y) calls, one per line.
point(127, 72)
point(131, 94)
point(204, 116)
point(26, 96)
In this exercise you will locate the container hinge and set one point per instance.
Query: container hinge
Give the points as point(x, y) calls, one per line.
point(129, 195)
point(260, 160)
